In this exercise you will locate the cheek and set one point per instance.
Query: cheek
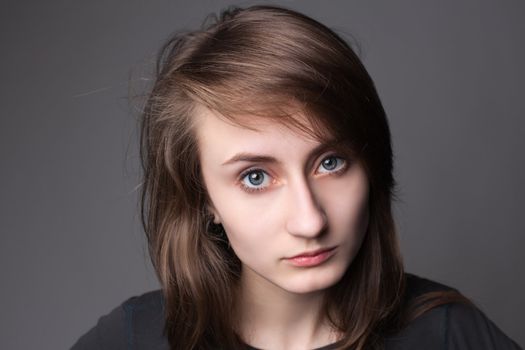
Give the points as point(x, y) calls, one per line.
point(251, 223)
point(248, 241)
point(347, 207)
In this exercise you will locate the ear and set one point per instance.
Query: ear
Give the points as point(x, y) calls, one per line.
point(215, 214)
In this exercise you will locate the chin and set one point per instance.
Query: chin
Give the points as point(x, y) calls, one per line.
point(314, 282)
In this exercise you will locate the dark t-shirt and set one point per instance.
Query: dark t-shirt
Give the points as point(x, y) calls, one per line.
point(138, 324)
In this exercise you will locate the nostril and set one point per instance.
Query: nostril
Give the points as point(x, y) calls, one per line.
point(306, 215)
point(308, 222)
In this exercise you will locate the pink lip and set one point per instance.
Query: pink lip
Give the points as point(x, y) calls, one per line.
point(313, 258)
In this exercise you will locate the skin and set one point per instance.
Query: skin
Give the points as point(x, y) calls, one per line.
point(307, 197)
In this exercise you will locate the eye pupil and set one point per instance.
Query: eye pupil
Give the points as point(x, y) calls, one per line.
point(330, 163)
point(256, 178)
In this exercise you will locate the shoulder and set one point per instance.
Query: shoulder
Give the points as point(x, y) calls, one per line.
point(416, 285)
point(450, 326)
point(137, 323)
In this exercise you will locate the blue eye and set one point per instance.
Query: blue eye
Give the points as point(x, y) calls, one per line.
point(258, 180)
point(331, 164)
point(255, 180)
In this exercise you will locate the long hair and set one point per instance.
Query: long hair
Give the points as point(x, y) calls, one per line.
point(266, 62)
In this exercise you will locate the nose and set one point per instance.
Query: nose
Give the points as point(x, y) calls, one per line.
point(306, 217)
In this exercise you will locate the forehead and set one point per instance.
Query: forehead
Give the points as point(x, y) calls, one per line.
point(223, 144)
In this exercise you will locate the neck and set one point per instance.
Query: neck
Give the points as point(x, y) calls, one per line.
point(273, 318)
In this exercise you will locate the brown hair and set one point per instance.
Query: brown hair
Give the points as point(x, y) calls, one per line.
point(267, 62)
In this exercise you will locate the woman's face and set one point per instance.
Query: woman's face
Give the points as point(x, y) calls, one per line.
point(295, 210)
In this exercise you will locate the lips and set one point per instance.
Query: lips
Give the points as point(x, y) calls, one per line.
point(312, 253)
point(312, 258)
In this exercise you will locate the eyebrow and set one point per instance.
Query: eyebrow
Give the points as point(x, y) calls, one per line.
point(261, 158)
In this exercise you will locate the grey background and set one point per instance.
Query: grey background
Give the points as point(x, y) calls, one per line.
point(450, 74)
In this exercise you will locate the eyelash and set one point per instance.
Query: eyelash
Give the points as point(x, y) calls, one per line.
point(249, 189)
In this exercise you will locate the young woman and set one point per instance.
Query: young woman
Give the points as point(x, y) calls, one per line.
point(267, 203)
